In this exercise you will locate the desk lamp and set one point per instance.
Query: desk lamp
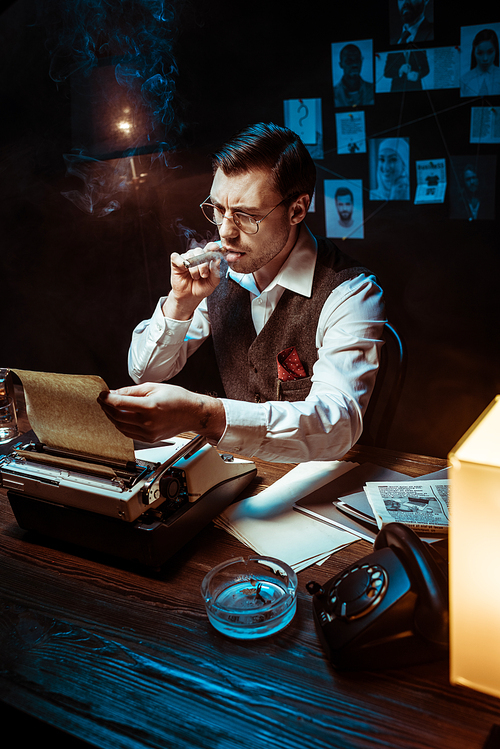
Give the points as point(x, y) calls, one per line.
point(474, 554)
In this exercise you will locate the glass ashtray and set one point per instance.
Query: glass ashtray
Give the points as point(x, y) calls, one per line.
point(250, 598)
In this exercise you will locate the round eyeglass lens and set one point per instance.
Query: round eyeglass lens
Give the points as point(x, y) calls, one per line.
point(212, 213)
point(245, 223)
point(242, 220)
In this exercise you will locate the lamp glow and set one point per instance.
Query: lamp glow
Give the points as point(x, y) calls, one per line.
point(474, 554)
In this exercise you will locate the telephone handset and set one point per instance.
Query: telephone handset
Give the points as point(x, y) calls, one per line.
point(388, 610)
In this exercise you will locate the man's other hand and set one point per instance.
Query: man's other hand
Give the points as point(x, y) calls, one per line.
point(152, 411)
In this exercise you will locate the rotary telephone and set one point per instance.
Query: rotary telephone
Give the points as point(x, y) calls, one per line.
point(388, 610)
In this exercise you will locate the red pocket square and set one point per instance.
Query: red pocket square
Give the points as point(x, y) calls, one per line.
point(289, 365)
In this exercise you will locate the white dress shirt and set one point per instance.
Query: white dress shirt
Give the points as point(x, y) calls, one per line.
point(348, 337)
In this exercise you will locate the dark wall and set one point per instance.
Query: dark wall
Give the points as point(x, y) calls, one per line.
point(74, 282)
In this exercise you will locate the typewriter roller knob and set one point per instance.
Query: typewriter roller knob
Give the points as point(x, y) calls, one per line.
point(170, 486)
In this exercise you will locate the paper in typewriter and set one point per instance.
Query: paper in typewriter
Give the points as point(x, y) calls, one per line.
point(64, 413)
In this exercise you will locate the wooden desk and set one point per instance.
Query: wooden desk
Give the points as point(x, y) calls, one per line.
point(121, 658)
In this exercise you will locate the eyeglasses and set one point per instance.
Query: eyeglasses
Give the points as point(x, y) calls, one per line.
point(248, 224)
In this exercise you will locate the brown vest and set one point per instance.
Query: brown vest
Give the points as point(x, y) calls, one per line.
point(246, 361)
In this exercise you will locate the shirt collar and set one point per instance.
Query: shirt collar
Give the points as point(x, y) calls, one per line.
point(296, 273)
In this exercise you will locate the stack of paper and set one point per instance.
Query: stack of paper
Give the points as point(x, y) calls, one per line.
point(347, 502)
point(268, 524)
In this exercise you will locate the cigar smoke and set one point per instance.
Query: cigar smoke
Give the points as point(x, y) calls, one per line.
point(135, 40)
point(138, 36)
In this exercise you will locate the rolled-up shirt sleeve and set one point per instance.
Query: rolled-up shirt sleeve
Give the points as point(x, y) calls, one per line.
point(329, 421)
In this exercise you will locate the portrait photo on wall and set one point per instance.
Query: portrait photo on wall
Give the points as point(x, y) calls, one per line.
point(344, 208)
point(405, 70)
point(479, 61)
point(417, 70)
point(352, 72)
point(411, 21)
point(389, 160)
point(472, 187)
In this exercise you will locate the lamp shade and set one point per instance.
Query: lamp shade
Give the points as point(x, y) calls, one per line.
point(474, 555)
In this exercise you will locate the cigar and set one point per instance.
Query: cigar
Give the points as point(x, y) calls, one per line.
point(205, 257)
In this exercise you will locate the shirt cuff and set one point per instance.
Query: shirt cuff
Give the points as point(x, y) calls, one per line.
point(165, 329)
point(246, 427)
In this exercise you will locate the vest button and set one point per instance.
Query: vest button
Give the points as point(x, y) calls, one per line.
point(255, 370)
point(257, 397)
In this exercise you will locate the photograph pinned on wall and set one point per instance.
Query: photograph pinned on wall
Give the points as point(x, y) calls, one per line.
point(405, 70)
point(344, 208)
point(431, 181)
point(389, 160)
point(417, 70)
point(303, 116)
point(351, 134)
point(479, 60)
point(352, 73)
point(411, 21)
point(485, 125)
point(472, 187)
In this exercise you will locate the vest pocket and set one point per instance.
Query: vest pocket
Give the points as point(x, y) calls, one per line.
point(293, 390)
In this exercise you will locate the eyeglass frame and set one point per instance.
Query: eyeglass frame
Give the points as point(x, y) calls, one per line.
point(257, 221)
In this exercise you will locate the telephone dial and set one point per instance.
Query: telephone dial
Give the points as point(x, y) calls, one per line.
point(389, 609)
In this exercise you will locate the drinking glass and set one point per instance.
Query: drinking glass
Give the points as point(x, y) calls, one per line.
point(8, 420)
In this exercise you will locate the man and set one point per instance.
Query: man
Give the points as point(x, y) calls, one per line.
point(415, 26)
point(343, 214)
point(468, 204)
point(352, 90)
point(406, 69)
point(344, 203)
point(295, 324)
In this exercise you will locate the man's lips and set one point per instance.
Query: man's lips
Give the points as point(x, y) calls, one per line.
point(231, 255)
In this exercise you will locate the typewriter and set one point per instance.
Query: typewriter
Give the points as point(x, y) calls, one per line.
point(144, 510)
point(135, 501)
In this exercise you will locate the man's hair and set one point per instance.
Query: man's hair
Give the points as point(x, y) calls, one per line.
point(342, 192)
point(268, 146)
point(349, 48)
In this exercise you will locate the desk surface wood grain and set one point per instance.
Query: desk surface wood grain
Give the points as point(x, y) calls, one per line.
point(122, 657)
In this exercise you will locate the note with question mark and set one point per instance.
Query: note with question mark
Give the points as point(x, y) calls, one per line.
point(300, 115)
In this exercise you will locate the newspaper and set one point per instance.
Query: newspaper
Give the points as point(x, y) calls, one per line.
point(421, 505)
point(431, 181)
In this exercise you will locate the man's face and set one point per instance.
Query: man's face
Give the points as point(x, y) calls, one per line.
point(471, 180)
point(410, 10)
point(251, 192)
point(351, 62)
point(344, 207)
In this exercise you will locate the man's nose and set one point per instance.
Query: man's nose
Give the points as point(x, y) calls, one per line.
point(228, 228)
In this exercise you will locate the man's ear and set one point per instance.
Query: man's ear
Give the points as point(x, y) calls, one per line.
point(299, 208)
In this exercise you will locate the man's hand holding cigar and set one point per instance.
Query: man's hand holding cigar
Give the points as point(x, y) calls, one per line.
point(153, 411)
